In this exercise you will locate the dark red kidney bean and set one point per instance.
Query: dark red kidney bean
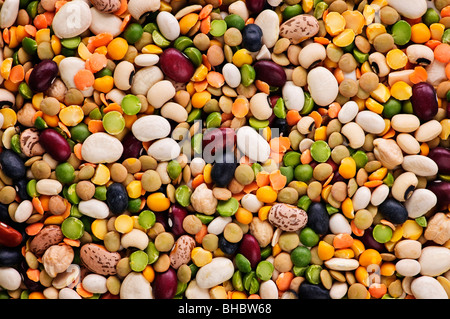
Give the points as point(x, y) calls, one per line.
point(441, 156)
point(223, 138)
point(9, 237)
point(442, 191)
point(165, 284)
point(43, 75)
point(30, 284)
point(176, 216)
point(424, 101)
point(12, 165)
point(270, 72)
point(369, 242)
point(132, 147)
point(10, 256)
point(55, 144)
point(273, 100)
point(249, 247)
point(162, 218)
point(109, 295)
point(176, 65)
point(255, 6)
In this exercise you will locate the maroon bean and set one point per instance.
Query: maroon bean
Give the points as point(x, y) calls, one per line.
point(43, 75)
point(165, 284)
point(249, 247)
point(216, 139)
point(132, 147)
point(255, 6)
point(9, 237)
point(176, 217)
point(441, 156)
point(176, 65)
point(270, 72)
point(442, 191)
point(424, 101)
point(55, 144)
point(370, 242)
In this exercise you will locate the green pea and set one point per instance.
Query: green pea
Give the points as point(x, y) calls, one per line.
point(303, 172)
point(391, 107)
point(95, 114)
point(287, 171)
point(205, 219)
point(150, 27)
point(65, 173)
point(309, 237)
point(254, 286)
point(68, 52)
point(264, 270)
point(25, 91)
point(23, 3)
point(29, 45)
point(15, 144)
point(360, 158)
point(133, 32)
point(242, 263)
point(234, 21)
point(138, 260)
point(447, 96)
point(214, 120)
point(301, 256)
point(182, 43)
point(134, 205)
point(446, 36)
point(331, 210)
point(299, 271)
point(70, 194)
point(291, 158)
point(389, 180)
point(100, 192)
point(40, 124)
point(194, 55)
point(430, 17)
point(218, 28)
point(292, 11)
point(236, 280)
point(359, 56)
point(72, 228)
point(256, 167)
point(31, 188)
point(32, 9)
point(320, 151)
point(421, 221)
point(173, 169)
point(266, 252)
point(71, 43)
point(104, 72)
point(147, 219)
point(113, 122)
point(183, 195)
point(248, 74)
point(131, 104)
point(197, 143)
point(152, 253)
point(195, 114)
point(382, 233)
point(248, 278)
point(79, 132)
point(304, 202)
point(309, 104)
point(401, 32)
point(312, 274)
point(257, 124)
point(227, 208)
point(319, 9)
point(75, 212)
point(279, 109)
point(181, 288)
point(159, 39)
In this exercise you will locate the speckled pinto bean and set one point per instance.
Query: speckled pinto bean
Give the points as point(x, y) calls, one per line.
point(278, 149)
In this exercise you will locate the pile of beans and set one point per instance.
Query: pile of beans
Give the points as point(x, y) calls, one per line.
point(225, 149)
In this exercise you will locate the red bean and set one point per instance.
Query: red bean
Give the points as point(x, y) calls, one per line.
point(249, 247)
point(218, 139)
point(270, 72)
point(442, 191)
point(176, 65)
point(441, 156)
point(255, 6)
point(424, 101)
point(176, 217)
point(43, 75)
point(131, 146)
point(55, 144)
point(165, 284)
point(9, 237)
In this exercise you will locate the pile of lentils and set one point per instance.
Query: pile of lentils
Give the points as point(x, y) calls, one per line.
point(222, 149)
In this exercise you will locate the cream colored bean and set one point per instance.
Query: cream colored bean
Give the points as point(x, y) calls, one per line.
point(428, 131)
point(408, 143)
point(405, 123)
point(354, 134)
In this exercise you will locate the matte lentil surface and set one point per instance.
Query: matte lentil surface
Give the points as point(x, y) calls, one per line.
point(304, 182)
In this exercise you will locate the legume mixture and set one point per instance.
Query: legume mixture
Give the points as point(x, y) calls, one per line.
point(225, 149)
